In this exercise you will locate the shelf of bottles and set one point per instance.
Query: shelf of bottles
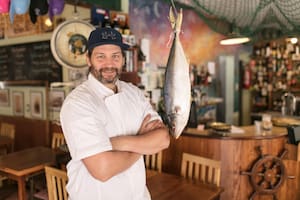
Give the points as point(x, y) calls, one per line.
point(275, 69)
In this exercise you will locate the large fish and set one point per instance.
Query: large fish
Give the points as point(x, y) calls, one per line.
point(177, 85)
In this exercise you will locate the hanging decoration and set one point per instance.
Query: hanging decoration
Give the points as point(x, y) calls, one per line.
point(18, 7)
point(262, 19)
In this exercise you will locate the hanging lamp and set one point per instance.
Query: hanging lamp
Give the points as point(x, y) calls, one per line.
point(234, 37)
point(234, 40)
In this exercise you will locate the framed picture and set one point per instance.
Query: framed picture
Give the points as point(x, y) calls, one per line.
point(4, 97)
point(56, 99)
point(36, 104)
point(18, 103)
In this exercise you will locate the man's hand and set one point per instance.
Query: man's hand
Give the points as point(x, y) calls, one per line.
point(148, 125)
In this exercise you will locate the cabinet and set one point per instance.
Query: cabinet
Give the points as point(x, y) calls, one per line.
point(275, 69)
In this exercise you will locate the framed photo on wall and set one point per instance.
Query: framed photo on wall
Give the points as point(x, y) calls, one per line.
point(4, 97)
point(36, 104)
point(56, 99)
point(18, 103)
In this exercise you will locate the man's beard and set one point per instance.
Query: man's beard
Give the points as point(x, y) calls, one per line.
point(102, 79)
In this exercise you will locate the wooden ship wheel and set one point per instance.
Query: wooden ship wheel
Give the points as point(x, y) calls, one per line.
point(267, 174)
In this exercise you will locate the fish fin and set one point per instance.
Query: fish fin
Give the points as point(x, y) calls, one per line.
point(172, 18)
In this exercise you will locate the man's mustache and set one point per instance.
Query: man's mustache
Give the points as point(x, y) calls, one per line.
point(108, 69)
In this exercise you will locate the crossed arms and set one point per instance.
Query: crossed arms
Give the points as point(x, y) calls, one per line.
point(152, 137)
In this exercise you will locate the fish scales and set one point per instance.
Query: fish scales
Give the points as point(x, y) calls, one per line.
point(177, 85)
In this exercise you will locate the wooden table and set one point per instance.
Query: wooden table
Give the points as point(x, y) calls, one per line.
point(21, 164)
point(163, 186)
point(7, 143)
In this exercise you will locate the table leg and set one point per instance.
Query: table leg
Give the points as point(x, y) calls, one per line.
point(21, 188)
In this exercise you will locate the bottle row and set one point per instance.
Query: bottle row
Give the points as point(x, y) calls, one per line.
point(104, 18)
point(274, 69)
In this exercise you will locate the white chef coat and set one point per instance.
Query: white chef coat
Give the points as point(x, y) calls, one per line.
point(90, 115)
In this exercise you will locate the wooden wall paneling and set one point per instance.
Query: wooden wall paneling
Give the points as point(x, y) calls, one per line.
point(29, 132)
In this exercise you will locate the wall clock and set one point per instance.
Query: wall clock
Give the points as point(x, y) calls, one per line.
point(69, 43)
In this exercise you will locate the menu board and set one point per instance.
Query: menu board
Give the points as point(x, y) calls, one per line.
point(33, 61)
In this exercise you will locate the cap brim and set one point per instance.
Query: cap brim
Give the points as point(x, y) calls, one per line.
point(122, 45)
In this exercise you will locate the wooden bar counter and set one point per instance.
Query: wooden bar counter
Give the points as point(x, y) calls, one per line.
point(237, 152)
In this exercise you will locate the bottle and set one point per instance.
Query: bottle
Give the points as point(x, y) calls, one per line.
point(193, 122)
point(126, 28)
point(116, 25)
point(106, 22)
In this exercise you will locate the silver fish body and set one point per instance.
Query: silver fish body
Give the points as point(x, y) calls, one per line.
point(177, 85)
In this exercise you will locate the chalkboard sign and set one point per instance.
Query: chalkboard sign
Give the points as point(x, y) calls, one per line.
point(33, 61)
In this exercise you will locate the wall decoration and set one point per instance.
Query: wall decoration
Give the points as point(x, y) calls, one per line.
point(56, 99)
point(18, 103)
point(150, 20)
point(36, 104)
point(4, 97)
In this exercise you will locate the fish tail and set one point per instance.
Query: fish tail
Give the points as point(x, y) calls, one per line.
point(172, 18)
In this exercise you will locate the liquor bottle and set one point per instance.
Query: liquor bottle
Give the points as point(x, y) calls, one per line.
point(126, 29)
point(106, 22)
point(268, 50)
point(193, 122)
point(116, 25)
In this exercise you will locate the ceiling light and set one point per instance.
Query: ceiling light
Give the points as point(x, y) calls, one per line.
point(234, 40)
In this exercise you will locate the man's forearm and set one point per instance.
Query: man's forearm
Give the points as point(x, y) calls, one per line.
point(105, 165)
point(148, 143)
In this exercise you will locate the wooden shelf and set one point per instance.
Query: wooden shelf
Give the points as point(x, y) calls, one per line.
point(132, 77)
point(26, 39)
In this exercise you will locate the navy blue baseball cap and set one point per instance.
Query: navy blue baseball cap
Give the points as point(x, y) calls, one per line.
point(101, 36)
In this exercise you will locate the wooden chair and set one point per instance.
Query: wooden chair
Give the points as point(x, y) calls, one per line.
point(56, 183)
point(154, 161)
point(58, 140)
point(8, 130)
point(200, 168)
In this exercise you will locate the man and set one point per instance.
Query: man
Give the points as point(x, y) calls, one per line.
point(108, 125)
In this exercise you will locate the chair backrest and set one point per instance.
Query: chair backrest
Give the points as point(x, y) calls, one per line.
point(154, 161)
point(58, 140)
point(199, 168)
point(8, 130)
point(56, 183)
point(293, 134)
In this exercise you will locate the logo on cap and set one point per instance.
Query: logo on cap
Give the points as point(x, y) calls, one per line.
point(108, 35)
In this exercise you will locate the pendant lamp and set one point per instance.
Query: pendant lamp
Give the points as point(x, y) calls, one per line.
point(234, 40)
point(234, 37)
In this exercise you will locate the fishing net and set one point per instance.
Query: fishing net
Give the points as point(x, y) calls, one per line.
point(258, 19)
